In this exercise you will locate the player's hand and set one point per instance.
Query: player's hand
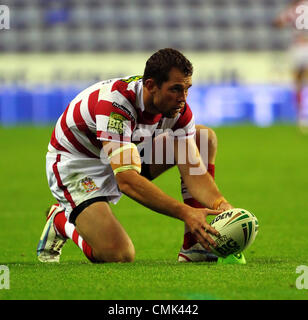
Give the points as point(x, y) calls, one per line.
point(196, 221)
point(225, 206)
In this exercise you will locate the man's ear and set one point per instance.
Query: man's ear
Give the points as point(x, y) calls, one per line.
point(150, 85)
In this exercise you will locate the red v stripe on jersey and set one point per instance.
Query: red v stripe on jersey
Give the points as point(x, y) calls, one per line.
point(106, 108)
point(72, 139)
point(54, 142)
point(121, 86)
point(87, 119)
point(92, 102)
point(82, 126)
point(67, 195)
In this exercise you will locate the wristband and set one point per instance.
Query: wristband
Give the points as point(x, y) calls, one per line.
point(218, 202)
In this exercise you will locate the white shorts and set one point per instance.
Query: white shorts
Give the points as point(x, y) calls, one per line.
point(73, 180)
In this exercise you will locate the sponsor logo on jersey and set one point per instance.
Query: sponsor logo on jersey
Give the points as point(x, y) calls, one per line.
point(126, 110)
point(131, 79)
point(115, 123)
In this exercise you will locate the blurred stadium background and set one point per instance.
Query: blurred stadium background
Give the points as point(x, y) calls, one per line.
point(54, 48)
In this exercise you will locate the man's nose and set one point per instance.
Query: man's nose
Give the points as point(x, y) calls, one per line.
point(182, 97)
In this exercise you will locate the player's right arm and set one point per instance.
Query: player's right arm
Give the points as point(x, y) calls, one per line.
point(125, 162)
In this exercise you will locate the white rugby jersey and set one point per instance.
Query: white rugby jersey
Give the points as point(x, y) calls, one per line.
point(112, 110)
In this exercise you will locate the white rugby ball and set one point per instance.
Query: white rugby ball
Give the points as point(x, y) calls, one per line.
point(238, 229)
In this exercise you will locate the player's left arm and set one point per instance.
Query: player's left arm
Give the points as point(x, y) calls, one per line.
point(199, 182)
point(122, 157)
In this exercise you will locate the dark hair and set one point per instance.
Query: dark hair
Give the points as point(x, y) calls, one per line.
point(161, 62)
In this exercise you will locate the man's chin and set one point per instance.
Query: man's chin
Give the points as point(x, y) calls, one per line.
point(171, 115)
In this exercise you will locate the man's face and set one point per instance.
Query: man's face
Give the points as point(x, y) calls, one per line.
point(170, 98)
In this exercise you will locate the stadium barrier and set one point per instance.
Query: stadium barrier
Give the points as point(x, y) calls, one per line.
point(213, 105)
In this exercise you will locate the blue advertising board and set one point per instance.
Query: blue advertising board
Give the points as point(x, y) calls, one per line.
point(214, 105)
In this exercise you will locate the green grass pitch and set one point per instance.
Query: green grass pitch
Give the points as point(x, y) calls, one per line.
point(263, 170)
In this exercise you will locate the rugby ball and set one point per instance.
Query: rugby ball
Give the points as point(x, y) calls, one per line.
point(238, 229)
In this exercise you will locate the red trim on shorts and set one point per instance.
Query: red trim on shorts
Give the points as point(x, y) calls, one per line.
point(67, 195)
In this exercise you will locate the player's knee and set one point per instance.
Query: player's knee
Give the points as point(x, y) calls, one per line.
point(116, 253)
point(126, 254)
point(211, 137)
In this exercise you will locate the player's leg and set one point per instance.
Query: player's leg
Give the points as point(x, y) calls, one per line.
point(51, 242)
point(300, 76)
point(98, 226)
point(158, 160)
point(161, 160)
point(204, 133)
point(191, 249)
point(89, 204)
point(96, 232)
point(67, 230)
point(56, 232)
point(206, 141)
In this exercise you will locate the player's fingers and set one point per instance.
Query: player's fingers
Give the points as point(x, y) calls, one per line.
point(207, 238)
point(211, 230)
point(212, 212)
point(202, 241)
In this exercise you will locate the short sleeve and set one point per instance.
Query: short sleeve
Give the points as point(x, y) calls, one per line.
point(114, 121)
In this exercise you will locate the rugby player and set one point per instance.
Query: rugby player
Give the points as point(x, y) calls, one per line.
point(290, 17)
point(99, 149)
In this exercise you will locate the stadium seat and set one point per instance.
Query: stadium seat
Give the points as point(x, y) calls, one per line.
point(150, 18)
point(78, 17)
point(25, 18)
point(212, 24)
point(154, 39)
point(9, 41)
point(105, 39)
